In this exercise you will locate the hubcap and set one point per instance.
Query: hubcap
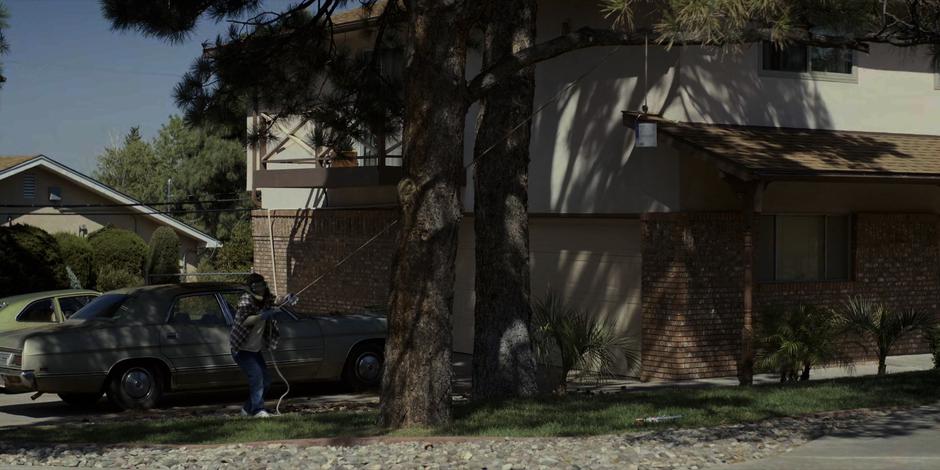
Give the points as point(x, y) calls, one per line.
point(137, 383)
point(368, 367)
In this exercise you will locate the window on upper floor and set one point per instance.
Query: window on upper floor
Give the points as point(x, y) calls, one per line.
point(809, 62)
point(29, 186)
point(804, 248)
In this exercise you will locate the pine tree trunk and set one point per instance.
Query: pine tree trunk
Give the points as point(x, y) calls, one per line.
point(503, 361)
point(416, 385)
point(882, 364)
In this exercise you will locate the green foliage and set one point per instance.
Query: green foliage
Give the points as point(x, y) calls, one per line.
point(205, 172)
point(237, 254)
point(577, 340)
point(30, 261)
point(879, 327)
point(78, 256)
point(796, 339)
point(120, 257)
point(932, 335)
point(111, 279)
point(4, 45)
point(163, 258)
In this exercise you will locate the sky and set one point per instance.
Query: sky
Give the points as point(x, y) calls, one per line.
point(74, 87)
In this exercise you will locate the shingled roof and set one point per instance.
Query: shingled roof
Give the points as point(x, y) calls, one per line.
point(768, 152)
point(11, 161)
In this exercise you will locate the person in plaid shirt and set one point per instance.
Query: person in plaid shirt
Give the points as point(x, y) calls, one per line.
point(253, 331)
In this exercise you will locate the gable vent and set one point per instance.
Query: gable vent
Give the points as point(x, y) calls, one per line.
point(29, 186)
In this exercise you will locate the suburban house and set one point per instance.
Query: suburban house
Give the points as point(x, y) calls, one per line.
point(39, 191)
point(820, 165)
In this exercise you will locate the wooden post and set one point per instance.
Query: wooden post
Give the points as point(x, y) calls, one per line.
point(752, 194)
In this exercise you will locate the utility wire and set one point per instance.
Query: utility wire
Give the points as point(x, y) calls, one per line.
point(135, 204)
point(169, 212)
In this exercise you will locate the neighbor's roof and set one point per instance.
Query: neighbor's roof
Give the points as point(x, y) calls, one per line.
point(358, 17)
point(769, 153)
point(10, 166)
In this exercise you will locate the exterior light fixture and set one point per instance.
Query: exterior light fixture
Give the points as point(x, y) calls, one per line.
point(644, 128)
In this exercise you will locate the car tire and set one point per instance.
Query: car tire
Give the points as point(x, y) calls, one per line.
point(364, 366)
point(136, 387)
point(81, 400)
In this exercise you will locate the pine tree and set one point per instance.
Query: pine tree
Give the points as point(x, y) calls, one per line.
point(4, 45)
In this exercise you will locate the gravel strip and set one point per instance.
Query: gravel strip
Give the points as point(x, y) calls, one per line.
point(669, 449)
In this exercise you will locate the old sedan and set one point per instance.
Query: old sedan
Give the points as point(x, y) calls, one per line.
point(137, 344)
point(41, 308)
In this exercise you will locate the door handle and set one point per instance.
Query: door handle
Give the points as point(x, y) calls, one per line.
point(171, 336)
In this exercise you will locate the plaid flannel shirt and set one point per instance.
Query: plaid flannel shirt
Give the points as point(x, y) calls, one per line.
point(239, 335)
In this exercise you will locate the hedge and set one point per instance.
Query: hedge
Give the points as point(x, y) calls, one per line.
point(120, 257)
point(163, 261)
point(77, 254)
point(30, 261)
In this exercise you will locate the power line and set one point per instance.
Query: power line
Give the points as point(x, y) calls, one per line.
point(135, 204)
point(96, 69)
point(170, 212)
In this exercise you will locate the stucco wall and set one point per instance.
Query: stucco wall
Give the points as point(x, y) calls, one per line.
point(55, 220)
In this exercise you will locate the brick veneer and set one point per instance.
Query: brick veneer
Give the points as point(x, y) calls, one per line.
point(308, 243)
point(693, 285)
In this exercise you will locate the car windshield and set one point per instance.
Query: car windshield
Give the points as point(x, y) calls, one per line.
point(106, 306)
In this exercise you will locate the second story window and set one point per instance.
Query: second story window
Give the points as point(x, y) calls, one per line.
point(809, 61)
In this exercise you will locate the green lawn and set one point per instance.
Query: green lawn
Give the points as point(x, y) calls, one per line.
point(577, 415)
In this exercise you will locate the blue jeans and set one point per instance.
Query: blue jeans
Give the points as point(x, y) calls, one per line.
point(252, 364)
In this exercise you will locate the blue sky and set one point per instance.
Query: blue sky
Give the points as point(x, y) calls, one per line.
point(74, 87)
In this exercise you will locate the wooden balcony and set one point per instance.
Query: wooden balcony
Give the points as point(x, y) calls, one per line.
point(307, 175)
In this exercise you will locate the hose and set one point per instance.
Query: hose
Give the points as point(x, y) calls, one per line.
point(277, 408)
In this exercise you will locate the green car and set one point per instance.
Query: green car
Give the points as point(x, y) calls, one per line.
point(42, 308)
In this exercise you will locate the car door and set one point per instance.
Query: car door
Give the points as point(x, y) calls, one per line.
point(195, 341)
point(299, 350)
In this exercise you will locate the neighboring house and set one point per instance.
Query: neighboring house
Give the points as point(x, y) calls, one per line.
point(53, 190)
point(835, 154)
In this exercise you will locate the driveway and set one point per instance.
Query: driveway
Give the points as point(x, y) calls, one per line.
point(908, 439)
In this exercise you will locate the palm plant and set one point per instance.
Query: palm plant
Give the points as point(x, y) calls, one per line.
point(794, 340)
point(875, 322)
point(568, 339)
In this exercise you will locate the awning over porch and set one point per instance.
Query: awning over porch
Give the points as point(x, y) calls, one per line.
point(768, 154)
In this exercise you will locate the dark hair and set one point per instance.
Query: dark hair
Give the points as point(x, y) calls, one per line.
point(253, 278)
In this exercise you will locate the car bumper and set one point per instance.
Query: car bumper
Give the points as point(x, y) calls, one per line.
point(17, 381)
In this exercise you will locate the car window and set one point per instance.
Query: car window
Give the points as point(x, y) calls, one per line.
point(40, 311)
point(202, 309)
point(106, 306)
point(232, 298)
point(70, 305)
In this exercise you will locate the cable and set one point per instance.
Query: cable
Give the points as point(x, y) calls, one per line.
point(134, 204)
point(277, 407)
point(169, 212)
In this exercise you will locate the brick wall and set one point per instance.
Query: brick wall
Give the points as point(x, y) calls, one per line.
point(308, 243)
point(693, 285)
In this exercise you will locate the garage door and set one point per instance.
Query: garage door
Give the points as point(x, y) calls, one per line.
point(594, 263)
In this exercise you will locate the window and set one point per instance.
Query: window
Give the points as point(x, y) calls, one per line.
point(107, 306)
point(232, 298)
point(804, 247)
point(201, 309)
point(55, 194)
point(70, 305)
point(39, 311)
point(809, 61)
point(29, 186)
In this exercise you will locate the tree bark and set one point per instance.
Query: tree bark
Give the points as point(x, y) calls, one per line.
point(416, 385)
point(503, 361)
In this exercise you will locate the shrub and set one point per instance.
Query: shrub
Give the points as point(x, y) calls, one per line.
point(30, 261)
point(932, 335)
point(77, 254)
point(111, 279)
point(879, 327)
point(162, 262)
point(237, 253)
point(567, 339)
point(792, 341)
point(115, 250)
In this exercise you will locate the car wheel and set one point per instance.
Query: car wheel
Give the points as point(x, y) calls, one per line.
point(136, 387)
point(363, 370)
point(81, 400)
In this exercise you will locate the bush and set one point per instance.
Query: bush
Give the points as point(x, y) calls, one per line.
point(237, 253)
point(77, 255)
point(115, 250)
point(792, 341)
point(932, 335)
point(878, 327)
point(163, 260)
point(566, 339)
point(30, 261)
point(111, 279)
